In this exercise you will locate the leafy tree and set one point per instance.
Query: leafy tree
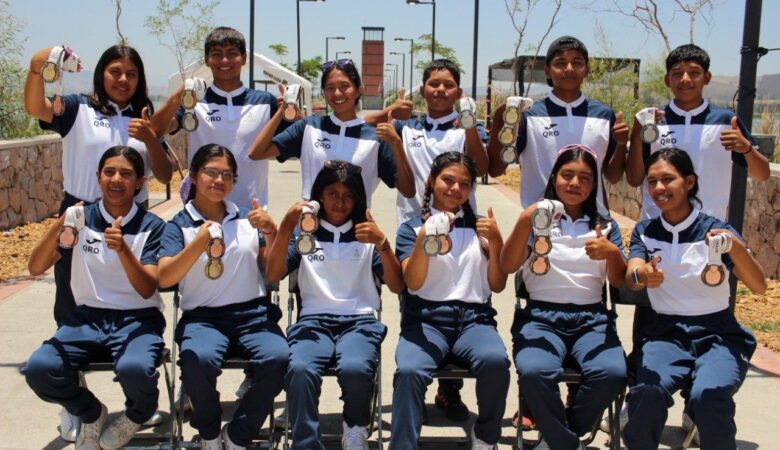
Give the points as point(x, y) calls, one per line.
point(422, 46)
point(14, 121)
point(187, 23)
point(310, 69)
point(279, 50)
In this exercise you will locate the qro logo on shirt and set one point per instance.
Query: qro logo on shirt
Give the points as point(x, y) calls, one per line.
point(667, 138)
point(323, 143)
point(101, 122)
point(550, 131)
point(210, 117)
point(90, 249)
point(415, 143)
point(314, 256)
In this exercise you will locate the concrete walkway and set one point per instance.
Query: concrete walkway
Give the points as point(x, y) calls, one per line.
point(26, 422)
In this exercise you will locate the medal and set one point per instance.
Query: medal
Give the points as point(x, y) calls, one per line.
point(437, 240)
point(713, 274)
point(189, 121)
point(467, 115)
point(515, 106)
point(305, 244)
point(215, 250)
point(194, 90)
point(69, 232)
point(291, 109)
point(508, 154)
point(649, 132)
point(547, 213)
point(308, 222)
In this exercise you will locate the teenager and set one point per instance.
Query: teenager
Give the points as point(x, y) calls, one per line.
point(683, 258)
point(341, 135)
point(339, 298)
point(118, 313)
point(565, 316)
point(215, 252)
point(446, 311)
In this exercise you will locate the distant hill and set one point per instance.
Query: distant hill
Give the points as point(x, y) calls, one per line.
point(721, 88)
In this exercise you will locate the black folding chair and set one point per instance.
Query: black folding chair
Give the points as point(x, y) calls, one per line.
point(294, 303)
point(572, 375)
point(231, 362)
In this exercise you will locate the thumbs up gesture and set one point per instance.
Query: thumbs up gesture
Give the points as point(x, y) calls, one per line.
point(368, 232)
point(113, 236)
point(653, 275)
point(141, 127)
point(620, 130)
point(386, 131)
point(600, 248)
point(733, 140)
point(402, 108)
point(259, 219)
point(487, 228)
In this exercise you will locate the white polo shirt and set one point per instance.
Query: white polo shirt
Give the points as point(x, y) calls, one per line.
point(233, 120)
point(698, 133)
point(683, 254)
point(552, 124)
point(573, 278)
point(86, 135)
point(425, 139)
point(98, 278)
point(241, 280)
point(338, 278)
point(461, 274)
point(314, 140)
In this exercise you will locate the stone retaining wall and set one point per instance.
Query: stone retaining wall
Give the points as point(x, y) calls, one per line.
point(761, 228)
point(30, 179)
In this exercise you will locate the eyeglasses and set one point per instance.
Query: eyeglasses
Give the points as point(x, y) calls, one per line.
point(227, 176)
point(338, 62)
point(335, 164)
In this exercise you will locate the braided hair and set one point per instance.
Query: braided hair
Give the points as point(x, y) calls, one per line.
point(441, 162)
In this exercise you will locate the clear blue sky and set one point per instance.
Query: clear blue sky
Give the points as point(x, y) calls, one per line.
point(88, 27)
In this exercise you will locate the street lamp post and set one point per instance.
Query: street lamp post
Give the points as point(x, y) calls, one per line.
point(298, 21)
point(342, 53)
point(411, 61)
point(403, 67)
point(433, 27)
point(335, 38)
point(395, 71)
point(393, 80)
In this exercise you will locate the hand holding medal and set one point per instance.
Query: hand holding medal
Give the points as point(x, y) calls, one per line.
point(717, 244)
point(215, 249)
point(73, 223)
point(547, 213)
point(194, 90)
point(647, 118)
point(61, 59)
point(308, 223)
point(467, 116)
point(292, 94)
point(507, 136)
point(437, 239)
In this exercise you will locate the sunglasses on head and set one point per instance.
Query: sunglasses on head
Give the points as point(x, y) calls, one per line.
point(337, 62)
point(334, 164)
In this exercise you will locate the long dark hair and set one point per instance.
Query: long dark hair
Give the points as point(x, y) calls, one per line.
point(351, 178)
point(203, 155)
point(131, 154)
point(349, 70)
point(578, 153)
point(441, 162)
point(681, 161)
point(98, 99)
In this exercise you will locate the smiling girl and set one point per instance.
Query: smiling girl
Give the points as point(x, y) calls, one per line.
point(342, 135)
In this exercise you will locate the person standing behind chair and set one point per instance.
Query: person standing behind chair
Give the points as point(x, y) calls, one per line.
point(338, 300)
point(225, 300)
point(695, 339)
point(565, 315)
point(118, 312)
point(447, 308)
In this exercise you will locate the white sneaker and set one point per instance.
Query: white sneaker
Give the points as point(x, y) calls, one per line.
point(89, 433)
point(687, 426)
point(477, 444)
point(119, 433)
point(69, 426)
point(243, 387)
point(355, 438)
point(211, 444)
point(604, 425)
point(229, 445)
point(280, 421)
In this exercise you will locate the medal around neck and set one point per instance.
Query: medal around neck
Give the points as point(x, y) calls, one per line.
point(649, 131)
point(467, 117)
point(291, 109)
point(308, 222)
point(69, 232)
point(437, 240)
point(189, 121)
point(306, 244)
point(194, 90)
point(515, 107)
point(713, 273)
point(215, 250)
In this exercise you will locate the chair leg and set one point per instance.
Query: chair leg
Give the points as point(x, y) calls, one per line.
point(378, 401)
